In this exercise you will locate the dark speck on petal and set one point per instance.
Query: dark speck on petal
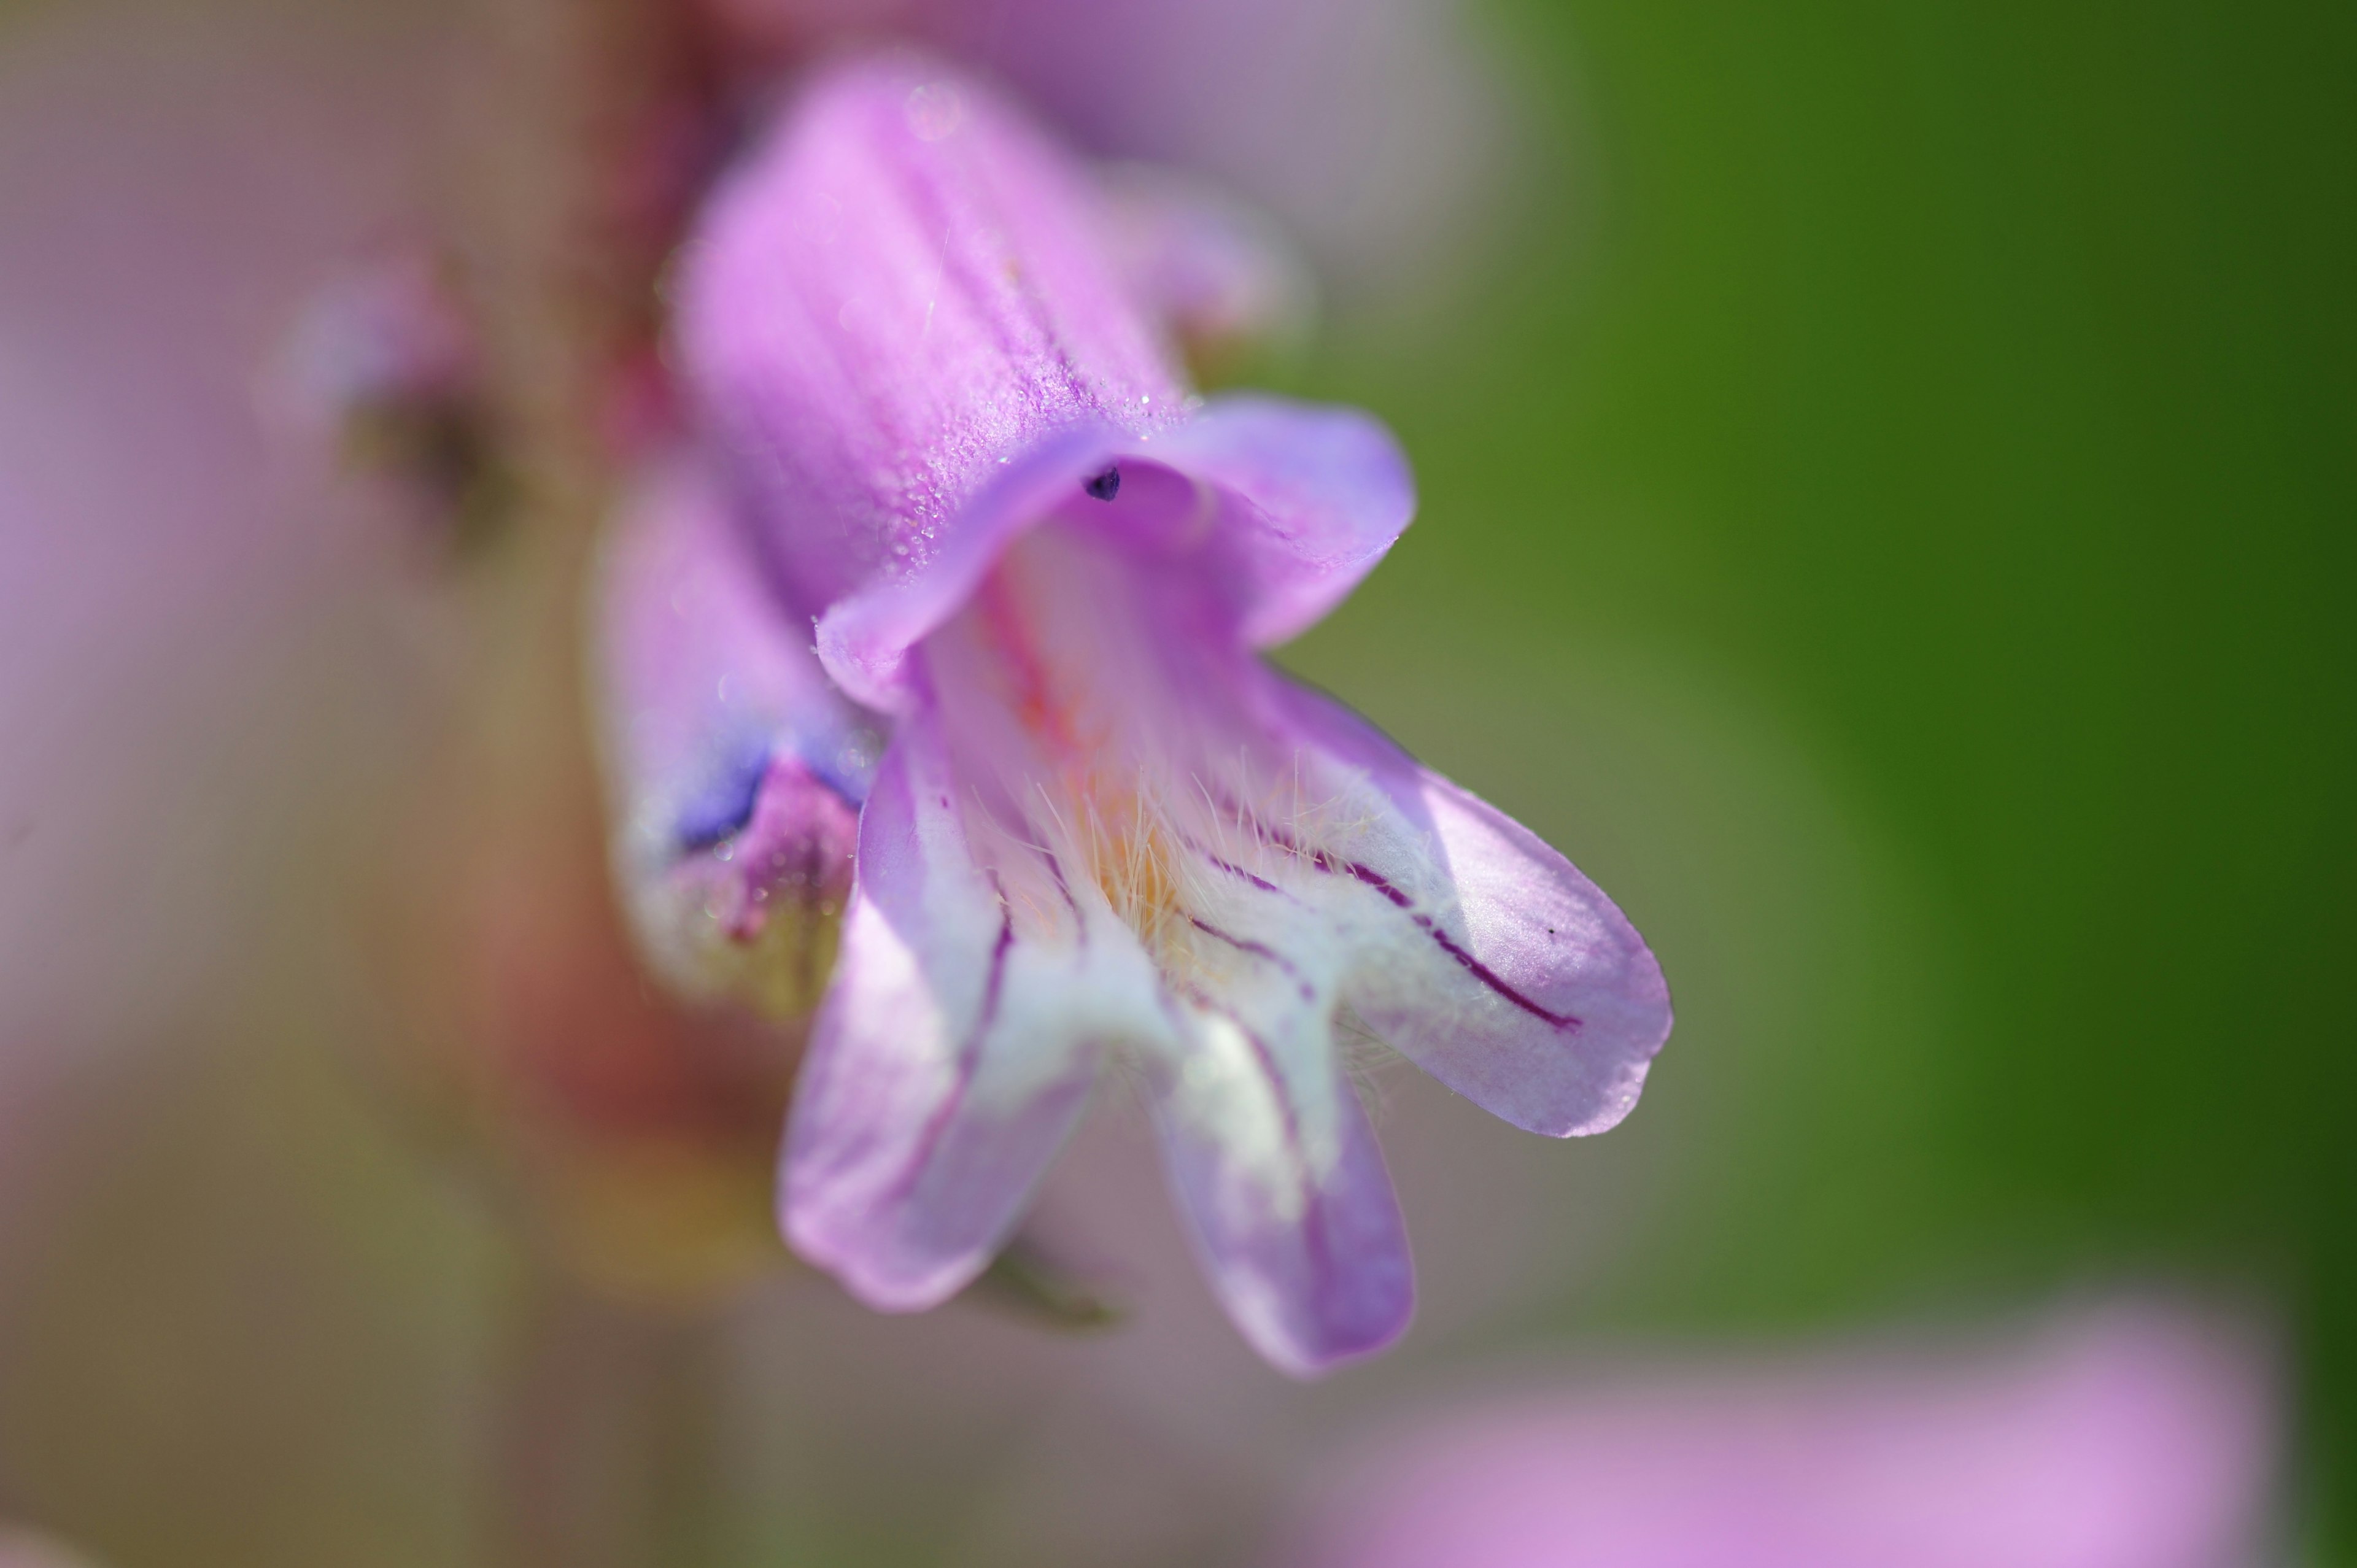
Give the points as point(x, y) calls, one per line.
point(1105, 485)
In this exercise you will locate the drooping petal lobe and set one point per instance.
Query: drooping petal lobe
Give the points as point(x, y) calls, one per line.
point(1504, 973)
point(1278, 1171)
point(1279, 508)
point(1312, 498)
point(1259, 860)
point(957, 1046)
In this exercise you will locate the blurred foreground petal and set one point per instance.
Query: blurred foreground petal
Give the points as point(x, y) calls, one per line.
point(2133, 1437)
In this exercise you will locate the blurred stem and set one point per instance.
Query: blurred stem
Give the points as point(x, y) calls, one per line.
point(609, 1446)
point(569, 183)
point(685, 1493)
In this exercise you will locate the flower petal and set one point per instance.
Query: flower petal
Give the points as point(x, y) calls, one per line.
point(1278, 1172)
point(698, 666)
point(865, 639)
point(1314, 497)
point(1507, 974)
point(1283, 507)
point(958, 1044)
point(736, 768)
point(1374, 127)
point(904, 285)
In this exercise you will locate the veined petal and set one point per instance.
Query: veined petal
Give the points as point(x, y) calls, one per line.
point(1503, 972)
point(1257, 865)
point(1272, 1160)
point(958, 1044)
point(738, 769)
point(902, 286)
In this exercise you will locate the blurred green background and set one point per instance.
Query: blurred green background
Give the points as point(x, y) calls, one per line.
point(1956, 403)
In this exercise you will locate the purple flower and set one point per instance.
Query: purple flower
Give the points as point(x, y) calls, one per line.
point(2134, 1437)
point(1103, 832)
point(739, 767)
point(1375, 129)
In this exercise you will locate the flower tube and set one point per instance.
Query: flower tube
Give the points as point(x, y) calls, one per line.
point(1103, 831)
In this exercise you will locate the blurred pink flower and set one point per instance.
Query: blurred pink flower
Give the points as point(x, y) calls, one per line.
point(1103, 832)
point(1373, 128)
point(2133, 1437)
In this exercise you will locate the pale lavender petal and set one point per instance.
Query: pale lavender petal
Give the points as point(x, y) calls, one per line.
point(2134, 1437)
point(1314, 498)
point(904, 285)
point(906, 322)
point(1277, 508)
point(956, 1047)
point(1272, 859)
point(1508, 975)
point(1272, 1160)
point(698, 662)
point(865, 640)
point(736, 769)
point(1374, 128)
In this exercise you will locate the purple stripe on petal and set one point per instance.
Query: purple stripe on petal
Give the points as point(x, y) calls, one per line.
point(1241, 944)
point(956, 1047)
point(1232, 869)
point(918, 1129)
point(1258, 950)
point(1489, 977)
point(1319, 860)
point(1374, 879)
point(1071, 905)
point(969, 1058)
point(1566, 1006)
point(1332, 865)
